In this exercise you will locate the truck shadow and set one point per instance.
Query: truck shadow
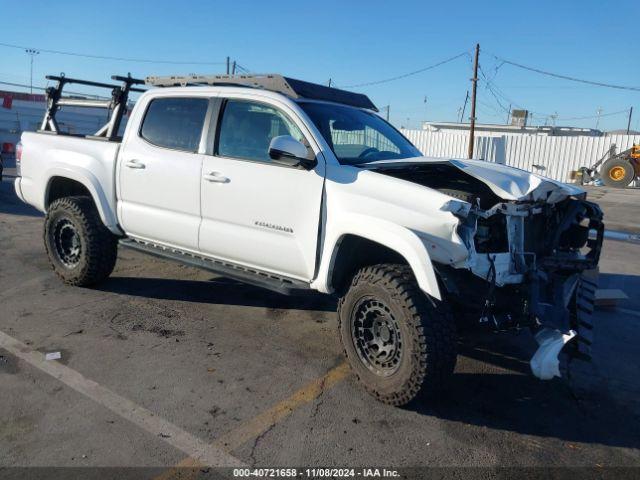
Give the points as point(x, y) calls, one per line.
point(10, 204)
point(218, 290)
point(589, 408)
point(522, 404)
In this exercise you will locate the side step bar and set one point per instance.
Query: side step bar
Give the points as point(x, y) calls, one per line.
point(283, 285)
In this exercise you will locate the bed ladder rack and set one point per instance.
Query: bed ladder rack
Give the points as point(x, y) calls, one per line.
point(117, 104)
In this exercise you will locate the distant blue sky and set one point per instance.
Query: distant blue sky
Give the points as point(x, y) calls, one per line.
point(353, 42)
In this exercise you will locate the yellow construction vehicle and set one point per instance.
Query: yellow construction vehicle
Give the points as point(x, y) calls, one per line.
point(618, 170)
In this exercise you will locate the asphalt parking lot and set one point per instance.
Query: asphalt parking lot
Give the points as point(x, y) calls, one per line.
point(164, 360)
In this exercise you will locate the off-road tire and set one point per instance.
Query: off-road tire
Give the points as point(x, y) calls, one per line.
point(98, 247)
point(576, 357)
point(618, 165)
point(426, 328)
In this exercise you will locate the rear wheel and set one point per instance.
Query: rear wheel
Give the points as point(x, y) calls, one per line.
point(617, 172)
point(82, 251)
point(399, 342)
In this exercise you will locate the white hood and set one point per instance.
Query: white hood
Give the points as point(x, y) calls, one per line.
point(508, 183)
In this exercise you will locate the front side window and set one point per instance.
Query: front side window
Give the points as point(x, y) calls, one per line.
point(358, 136)
point(175, 123)
point(246, 130)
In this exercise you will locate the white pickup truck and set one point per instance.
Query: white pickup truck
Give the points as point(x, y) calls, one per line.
point(292, 186)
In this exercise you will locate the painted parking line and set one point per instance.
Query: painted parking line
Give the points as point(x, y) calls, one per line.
point(258, 425)
point(202, 452)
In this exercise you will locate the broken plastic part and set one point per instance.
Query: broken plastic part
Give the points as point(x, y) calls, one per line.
point(544, 363)
point(457, 207)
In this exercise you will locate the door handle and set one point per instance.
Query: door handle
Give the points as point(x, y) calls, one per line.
point(215, 177)
point(135, 164)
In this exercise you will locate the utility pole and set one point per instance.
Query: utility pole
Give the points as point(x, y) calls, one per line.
point(474, 83)
point(387, 108)
point(32, 53)
point(228, 60)
point(598, 112)
point(509, 114)
point(464, 107)
point(629, 121)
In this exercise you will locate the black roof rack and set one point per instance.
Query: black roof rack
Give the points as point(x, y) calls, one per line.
point(272, 82)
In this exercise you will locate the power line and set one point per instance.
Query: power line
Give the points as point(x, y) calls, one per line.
point(404, 75)
point(495, 90)
point(547, 115)
point(240, 67)
point(626, 111)
point(565, 77)
point(106, 57)
point(11, 84)
point(495, 96)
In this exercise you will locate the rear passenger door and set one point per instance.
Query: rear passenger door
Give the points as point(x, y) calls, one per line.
point(160, 172)
point(254, 211)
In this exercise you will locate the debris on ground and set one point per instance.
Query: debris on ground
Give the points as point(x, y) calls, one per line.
point(609, 297)
point(77, 332)
point(53, 356)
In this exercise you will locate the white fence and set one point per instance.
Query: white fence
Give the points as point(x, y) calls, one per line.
point(554, 157)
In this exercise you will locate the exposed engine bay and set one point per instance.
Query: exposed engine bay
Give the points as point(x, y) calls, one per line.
point(529, 255)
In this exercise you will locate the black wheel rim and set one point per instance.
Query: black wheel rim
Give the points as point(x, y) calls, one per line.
point(376, 337)
point(67, 243)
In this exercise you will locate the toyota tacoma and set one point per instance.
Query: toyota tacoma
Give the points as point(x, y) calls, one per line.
point(294, 186)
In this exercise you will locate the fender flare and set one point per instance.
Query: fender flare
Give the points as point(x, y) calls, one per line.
point(395, 237)
point(92, 184)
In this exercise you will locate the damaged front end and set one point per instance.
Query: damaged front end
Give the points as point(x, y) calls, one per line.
point(538, 261)
point(543, 246)
point(534, 247)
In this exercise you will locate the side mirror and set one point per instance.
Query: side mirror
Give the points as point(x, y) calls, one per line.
point(286, 150)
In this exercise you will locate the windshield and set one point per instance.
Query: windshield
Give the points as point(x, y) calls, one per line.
point(357, 136)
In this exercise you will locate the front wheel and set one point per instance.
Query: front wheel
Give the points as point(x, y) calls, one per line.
point(399, 342)
point(82, 251)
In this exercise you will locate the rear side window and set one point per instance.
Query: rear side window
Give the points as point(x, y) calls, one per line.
point(175, 122)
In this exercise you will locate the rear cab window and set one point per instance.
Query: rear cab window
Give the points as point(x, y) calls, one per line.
point(175, 123)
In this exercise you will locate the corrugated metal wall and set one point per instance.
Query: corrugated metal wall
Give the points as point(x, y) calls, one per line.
point(553, 157)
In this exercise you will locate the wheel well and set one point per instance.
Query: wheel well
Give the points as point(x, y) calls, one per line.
point(60, 187)
point(354, 253)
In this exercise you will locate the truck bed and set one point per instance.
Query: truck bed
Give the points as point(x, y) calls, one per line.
point(87, 160)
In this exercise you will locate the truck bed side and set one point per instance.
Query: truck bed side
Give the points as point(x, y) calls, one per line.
point(49, 159)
